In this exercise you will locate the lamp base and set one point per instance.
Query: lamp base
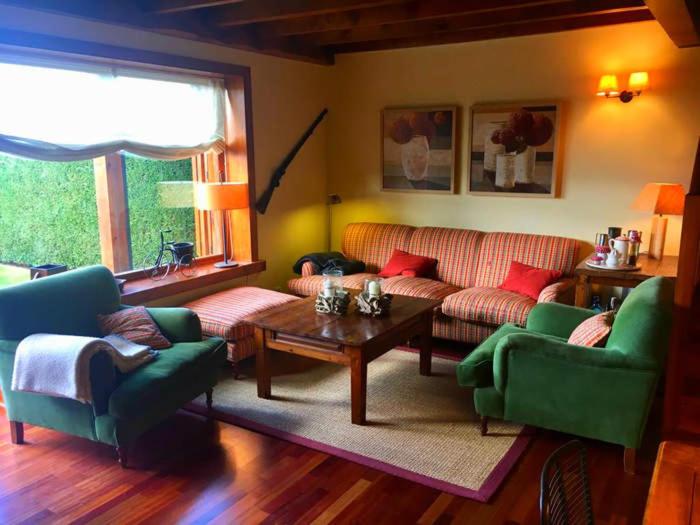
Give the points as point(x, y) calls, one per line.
point(658, 237)
point(225, 264)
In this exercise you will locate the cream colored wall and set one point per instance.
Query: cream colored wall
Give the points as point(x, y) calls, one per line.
point(287, 96)
point(610, 149)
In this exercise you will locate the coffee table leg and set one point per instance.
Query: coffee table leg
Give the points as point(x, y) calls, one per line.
point(262, 364)
point(358, 387)
point(426, 345)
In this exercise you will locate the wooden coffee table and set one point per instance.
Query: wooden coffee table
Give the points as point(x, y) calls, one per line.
point(352, 340)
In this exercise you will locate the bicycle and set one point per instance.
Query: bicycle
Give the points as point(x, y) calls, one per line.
point(171, 254)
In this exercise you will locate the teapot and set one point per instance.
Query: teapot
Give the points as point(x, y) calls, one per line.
point(612, 260)
point(621, 245)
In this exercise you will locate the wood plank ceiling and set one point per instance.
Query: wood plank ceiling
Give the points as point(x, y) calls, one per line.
point(316, 30)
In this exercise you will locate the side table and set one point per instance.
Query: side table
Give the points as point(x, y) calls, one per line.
point(586, 276)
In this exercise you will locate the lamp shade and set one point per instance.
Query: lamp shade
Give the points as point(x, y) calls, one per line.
point(608, 86)
point(662, 199)
point(221, 195)
point(638, 81)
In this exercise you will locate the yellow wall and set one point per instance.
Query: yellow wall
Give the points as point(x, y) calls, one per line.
point(287, 96)
point(610, 149)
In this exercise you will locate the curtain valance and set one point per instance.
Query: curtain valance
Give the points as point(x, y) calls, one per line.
point(66, 114)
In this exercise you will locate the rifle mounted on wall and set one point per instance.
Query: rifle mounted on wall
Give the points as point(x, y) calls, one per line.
point(277, 175)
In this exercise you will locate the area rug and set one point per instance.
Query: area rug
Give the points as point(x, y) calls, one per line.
point(420, 428)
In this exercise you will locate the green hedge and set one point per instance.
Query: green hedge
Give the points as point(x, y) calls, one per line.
point(48, 211)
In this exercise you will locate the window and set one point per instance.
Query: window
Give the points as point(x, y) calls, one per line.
point(131, 142)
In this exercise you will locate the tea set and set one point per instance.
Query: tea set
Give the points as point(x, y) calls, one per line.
point(615, 251)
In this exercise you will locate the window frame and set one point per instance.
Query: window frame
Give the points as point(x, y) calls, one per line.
point(237, 159)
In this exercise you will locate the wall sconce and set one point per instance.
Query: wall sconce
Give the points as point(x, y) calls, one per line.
point(638, 82)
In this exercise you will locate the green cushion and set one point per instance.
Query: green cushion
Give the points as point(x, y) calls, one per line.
point(477, 368)
point(177, 365)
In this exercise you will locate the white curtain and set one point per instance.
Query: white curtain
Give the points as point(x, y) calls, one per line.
point(78, 112)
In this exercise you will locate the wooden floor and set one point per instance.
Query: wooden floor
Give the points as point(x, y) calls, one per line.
point(190, 470)
point(194, 470)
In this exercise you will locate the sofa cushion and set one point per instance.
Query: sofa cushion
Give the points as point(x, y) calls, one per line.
point(489, 306)
point(222, 314)
point(455, 249)
point(528, 280)
point(154, 380)
point(498, 250)
point(374, 243)
point(313, 284)
point(476, 369)
point(410, 265)
point(418, 287)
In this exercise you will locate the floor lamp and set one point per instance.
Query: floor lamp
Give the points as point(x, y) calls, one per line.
point(212, 196)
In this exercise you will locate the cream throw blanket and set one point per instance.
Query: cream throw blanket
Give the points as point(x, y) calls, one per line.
point(59, 365)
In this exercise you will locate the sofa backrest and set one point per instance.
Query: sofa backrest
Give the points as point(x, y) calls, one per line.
point(642, 326)
point(456, 250)
point(66, 303)
point(499, 249)
point(373, 243)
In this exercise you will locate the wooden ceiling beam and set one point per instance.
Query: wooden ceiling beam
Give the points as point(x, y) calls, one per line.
point(411, 11)
point(162, 7)
point(679, 18)
point(458, 23)
point(500, 31)
point(266, 10)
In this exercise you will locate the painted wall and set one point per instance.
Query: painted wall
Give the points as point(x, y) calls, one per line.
point(287, 96)
point(610, 149)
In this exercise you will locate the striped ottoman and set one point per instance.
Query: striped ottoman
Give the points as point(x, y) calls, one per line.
point(222, 314)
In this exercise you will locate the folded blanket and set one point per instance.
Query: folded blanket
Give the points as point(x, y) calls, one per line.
point(330, 261)
point(59, 365)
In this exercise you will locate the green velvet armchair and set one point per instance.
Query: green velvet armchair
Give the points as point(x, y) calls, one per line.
point(533, 376)
point(124, 405)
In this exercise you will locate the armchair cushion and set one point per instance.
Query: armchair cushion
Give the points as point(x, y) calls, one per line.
point(179, 366)
point(593, 331)
point(134, 324)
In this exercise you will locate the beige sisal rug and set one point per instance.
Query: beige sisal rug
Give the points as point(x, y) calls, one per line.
point(420, 428)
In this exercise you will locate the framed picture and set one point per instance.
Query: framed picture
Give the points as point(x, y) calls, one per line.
point(418, 149)
point(515, 149)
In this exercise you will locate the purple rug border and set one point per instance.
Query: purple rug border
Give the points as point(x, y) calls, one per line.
point(492, 483)
point(482, 495)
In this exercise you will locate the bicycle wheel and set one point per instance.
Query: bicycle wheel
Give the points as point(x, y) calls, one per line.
point(188, 265)
point(156, 269)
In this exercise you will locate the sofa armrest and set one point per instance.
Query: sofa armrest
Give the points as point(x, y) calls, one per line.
point(556, 319)
point(593, 392)
point(308, 268)
point(179, 325)
point(561, 291)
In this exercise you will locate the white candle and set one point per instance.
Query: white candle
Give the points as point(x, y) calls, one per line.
point(328, 289)
point(374, 289)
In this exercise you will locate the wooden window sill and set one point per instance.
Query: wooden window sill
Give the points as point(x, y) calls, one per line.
point(140, 289)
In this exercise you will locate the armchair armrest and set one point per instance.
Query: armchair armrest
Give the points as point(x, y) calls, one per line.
point(594, 392)
point(556, 319)
point(561, 291)
point(179, 325)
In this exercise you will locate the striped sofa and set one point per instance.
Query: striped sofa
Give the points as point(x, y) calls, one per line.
point(471, 266)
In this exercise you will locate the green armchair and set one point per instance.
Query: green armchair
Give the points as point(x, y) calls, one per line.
point(124, 405)
point(533, 376)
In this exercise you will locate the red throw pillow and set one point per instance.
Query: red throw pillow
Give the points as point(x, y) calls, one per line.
point(136, 325)
point(404, 263)
point(528, 280)
point(594, 331)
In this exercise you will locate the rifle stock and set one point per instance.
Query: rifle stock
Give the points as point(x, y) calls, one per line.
point(264, 199)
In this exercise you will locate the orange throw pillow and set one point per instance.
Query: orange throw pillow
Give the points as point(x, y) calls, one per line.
point(594, 331)
point(404, 263)
point(134, 324)
point(528, 280)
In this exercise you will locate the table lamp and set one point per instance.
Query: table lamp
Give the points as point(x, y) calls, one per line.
point(660, 199)
point(222, 196)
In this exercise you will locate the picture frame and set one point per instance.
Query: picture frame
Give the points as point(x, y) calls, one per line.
point(526, 159)
point(419, 149)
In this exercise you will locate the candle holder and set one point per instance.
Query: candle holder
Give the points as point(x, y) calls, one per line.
point(373, 305)
point(336, 304)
